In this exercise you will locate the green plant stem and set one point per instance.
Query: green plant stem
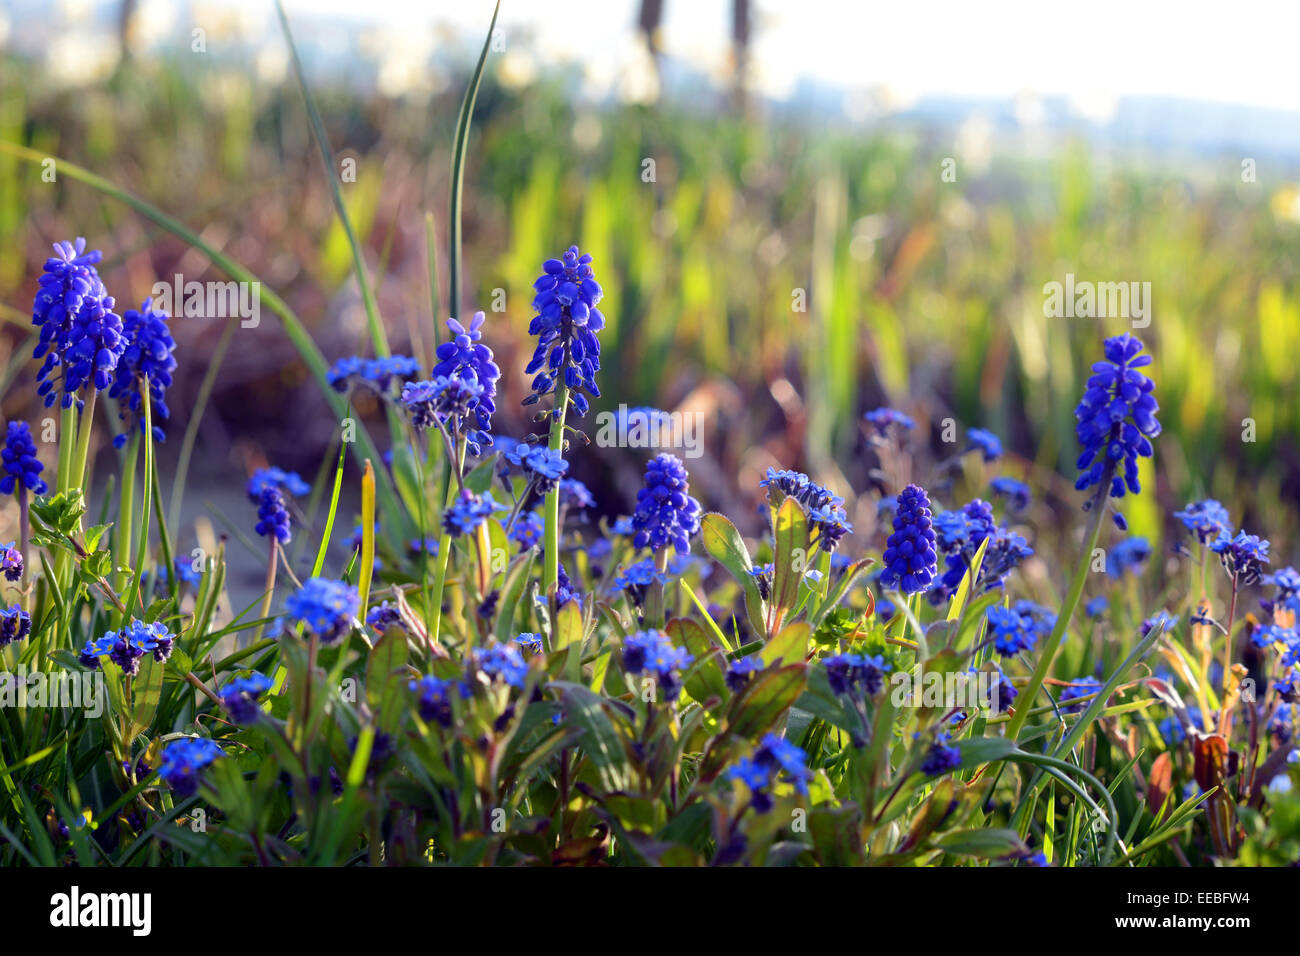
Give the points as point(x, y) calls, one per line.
point(457, 464)
point(551, 562)
point(132, 594)
point(1048, 655)
point(269, 585)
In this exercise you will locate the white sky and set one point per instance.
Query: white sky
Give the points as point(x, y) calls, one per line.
point(1096, 50)
point(1091, 51)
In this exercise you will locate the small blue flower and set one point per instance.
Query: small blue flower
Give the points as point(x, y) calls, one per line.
point(1206, 519)
point(240, 697)
point(847, 673)
point(1243, 557)
point(1282, 724)
point(1087, 687)
point(128, 646)
point(651, 651)
point(383, 616)
point(1128, 557)
point(446, 401)
point(538, 463)
point(1097, 606)
point(528, 530)
point(1287, 582)
point(827, 519)
point(376, 375)
point(184, 760)
point(500, 661)
point(1116, 417)
point(635, 578)
point(740, 673)
point(11, 562)
point(1011, 631)
point(289, 482)
point(910, 559)
point(530, 642)
point(665, 512)
point(574, 494)
point(1016, 492)
point(468, 510)
point(15, 625)
point(985, 442)
point(434, 698)
point(884, 419)
point(940, 758)
point(566, 324)
point(1270, 635)
point(325, 608)
point(22, 469)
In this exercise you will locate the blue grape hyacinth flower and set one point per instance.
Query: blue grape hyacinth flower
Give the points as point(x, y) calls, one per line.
point(910, 558)
point(80, 336)
point(273, 515)
point(22, 469)
point(566, 324)
point(467, 357)
point(1116, 418)
point(665, 512)
point(148, 355)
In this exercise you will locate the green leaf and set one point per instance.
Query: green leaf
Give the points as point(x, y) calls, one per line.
point(788, 647)
point(723, 543)
point(757, 708)
point(988, 844)
point(705, 678)
point(790, 557)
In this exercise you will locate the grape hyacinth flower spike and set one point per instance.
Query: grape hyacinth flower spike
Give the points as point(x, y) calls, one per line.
point(467, 357)
point(910, 558)
point(1116, 418)
point(665, 513)
point(566, 323)
point(146, 357)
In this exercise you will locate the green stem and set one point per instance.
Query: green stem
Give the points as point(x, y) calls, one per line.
point(551, 565)
point(132, 594)
point(1090, 536)
point(444, 547)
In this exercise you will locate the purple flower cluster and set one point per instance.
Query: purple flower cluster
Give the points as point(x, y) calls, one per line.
point(1116, 418)
point(566, 324)
point(910, 559)
point(665, 512)
point(128, 646)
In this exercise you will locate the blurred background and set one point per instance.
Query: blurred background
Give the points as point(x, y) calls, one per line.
point(799, 211)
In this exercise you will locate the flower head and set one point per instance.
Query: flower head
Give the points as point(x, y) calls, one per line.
point(273, 515)
point(542, 466)
point(433, 698)
point(289, 482)
point(1206, 519)
point(15, 625)
point(848, 672)
point(566, 324)
point(1015, 492)
point(775, 759)
point(910, 558)
point(147, 357)
point(740, 673)
point(184, 760)
point(80, 335)
point(665, 512)
point(383, 616)
point(1243, 557)
point(376, 375)
point(467, 357)
point(985, 442)
point(1012, 631)
point(11, 562)
point(652, 652)
point(1083, 687)
point(467, 511)
point(941, 757)
point(446, 400)
point(1116, 418)
point(1128, 557)
point(22, 469)
point(500, 661)
point(326, 608)
point(528, 530)
point(239, 697)
point(884, 420)
point(128, 646)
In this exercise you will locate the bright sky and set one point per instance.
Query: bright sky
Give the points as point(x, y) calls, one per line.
point(1091, 51)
